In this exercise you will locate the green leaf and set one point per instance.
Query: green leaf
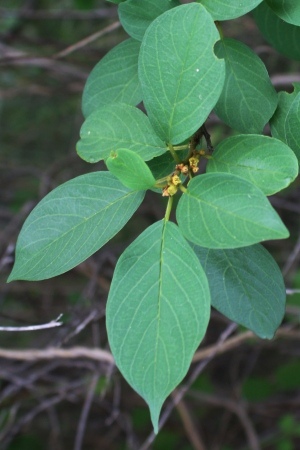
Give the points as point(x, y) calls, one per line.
point(118, 126)
point(130, 169)
point(277, 122)
point(264, 161)
point(246, 286)
point(157, 312)
point(114, 79)
point(71, 223)
point(283, 36)
point(248, 99)
point(287, 10)
point(135, 16)
point(228, 9)
point(164, 165)
point(286, 120)
point(220, 210)
point(292, 126)
point(180, 75)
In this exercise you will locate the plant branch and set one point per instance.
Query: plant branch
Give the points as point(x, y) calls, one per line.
point(60, 353)
point(191, 431)
point(88, 40)
point(85, 412)
point(52, 324)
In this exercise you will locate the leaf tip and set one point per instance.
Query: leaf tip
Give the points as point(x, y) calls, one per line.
point(154, 413)
point(11, 277)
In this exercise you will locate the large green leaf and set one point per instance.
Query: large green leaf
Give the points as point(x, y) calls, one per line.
point(136, 15)
point(266, 162)
point(287, 10)
point(71, 223)
point(277, 122)
point(246, 285)
point(220, 210)
point(248, 99)
point(229, 9)
point(130, 169)
point(157, 312)
point(118, 126)
point(180, 75)
point(114, 79)
point(283, 36)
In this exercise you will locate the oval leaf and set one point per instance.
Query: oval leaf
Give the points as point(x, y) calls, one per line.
point(248, 99)
point(287, 10)
point(114, 79)
point(246, 286)
point(118, 126)
point(283, 36)
point(157, 312)
point(130, 169)
point(180, 75)
point(264, 161)
point(135, 16)
point(71, 223)
point(220, 210)
point(228, 9)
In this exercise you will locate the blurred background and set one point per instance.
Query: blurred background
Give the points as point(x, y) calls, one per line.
point(245, 397)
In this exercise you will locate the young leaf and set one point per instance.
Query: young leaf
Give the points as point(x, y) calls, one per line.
point(264, 161)
point(287, 10)
point(71, 223)
point(283, 36)
point(136, 16)
point(220, 210)
point(277, 122)
point(130, 169)
point(157, 312)
point(228, 9)
point(114, 79)
point(181, 76)
point(248, 99)
point(118, 126)
point(246, 286)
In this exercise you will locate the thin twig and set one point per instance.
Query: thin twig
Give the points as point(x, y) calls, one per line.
point(231, 343)
point(285, 79)
point(292, 291)
point(88, 40)
point(96, 14)
point(61, 353)
point(292, 258)
point(85, 413)
point(44, 326)
point(235, 407)
point(235, 341)
point(191, 431)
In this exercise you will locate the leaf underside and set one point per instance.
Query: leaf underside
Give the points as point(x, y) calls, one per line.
point(157, 312)
point(71, 223)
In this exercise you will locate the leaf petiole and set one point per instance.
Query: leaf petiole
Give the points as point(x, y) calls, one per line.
point(168, 209)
